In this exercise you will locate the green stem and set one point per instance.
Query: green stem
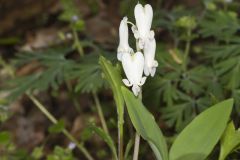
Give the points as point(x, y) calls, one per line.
point(137, 137)
point(100, 112)
point(187, 49)
point(225, 6)
point(136, 147)
point(77, 43)
point(120, 132)
point(65, 132)
point(120, 139)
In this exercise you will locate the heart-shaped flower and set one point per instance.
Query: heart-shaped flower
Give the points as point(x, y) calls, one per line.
point(133, 65)
point(150, 63)
point(143, 16)
point(123, 39)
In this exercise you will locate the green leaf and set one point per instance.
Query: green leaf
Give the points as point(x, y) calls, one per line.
point(229, 141)
point(57, 128)
point(69, 10)
point(106, 138)
point(88, 73)
point(146, 126)
point(128, 148)
point(220, 24)
point(86, 134)
point(5, 138)
point(60, 154)
point(56, 66)
point(113, 76)
point(178, 115)
point(198, 139)
point(37, 153)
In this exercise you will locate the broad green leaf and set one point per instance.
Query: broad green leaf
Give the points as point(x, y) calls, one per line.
point(113, 76)
point(198, 139)
point(229, 141)
point(146, 126)
point(57, 128)
point(106, 138)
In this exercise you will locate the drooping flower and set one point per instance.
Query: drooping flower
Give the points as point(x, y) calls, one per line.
point(123, 39)
point(150, 64)
point(228, 1)
point(133, 65)
point(142, 30)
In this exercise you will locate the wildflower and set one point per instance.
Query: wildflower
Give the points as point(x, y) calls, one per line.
point(123, 38)
point(228, 1)
point(75, 18)
point(143, 16)
point(150, 63)
point(71, 145)
point(133, 65)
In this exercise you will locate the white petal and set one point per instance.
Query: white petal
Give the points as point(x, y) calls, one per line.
point(142, 81)
point(143, 17)
point(126, 82)
point(148, 17)
point(127, 67)
point(146, 70)
point(136, 89)
point(135, 32)
point(119, 56)
point(151, 35)
point(141, 43)
point(138, 66)
point(123, 38)
point(133, 67)
point(149, 54)
point(153, 71)
point(123, 33)
point(155, 63)
point(71, 145)
point(140, 18)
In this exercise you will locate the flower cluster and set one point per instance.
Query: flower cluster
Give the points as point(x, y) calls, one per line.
point(135, 64)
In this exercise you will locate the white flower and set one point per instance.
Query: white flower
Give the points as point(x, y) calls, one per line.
point(228, 1)
point(71, 145)
point(150, 63)
point(123, 39)
point(75, 18)
point(143, 16)
point(133, 65)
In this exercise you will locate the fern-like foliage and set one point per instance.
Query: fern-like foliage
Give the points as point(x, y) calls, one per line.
point(88, 74)
point(54, 66)
point(221, 25)
point(56, 69)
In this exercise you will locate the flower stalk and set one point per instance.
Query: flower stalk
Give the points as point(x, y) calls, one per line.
point(100, 113)
point(187, 50)
point(77, 43)
point(136, 146)
point(120, 138)
point(137, 138)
